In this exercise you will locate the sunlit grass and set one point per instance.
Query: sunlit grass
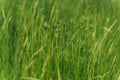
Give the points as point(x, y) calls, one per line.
point(59, 40)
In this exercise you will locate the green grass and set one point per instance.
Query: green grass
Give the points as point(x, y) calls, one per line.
point(59, 40)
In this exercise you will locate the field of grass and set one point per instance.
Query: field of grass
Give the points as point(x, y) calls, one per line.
point(59, 40)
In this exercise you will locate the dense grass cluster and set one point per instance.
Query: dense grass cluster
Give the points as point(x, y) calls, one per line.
point(59, 40)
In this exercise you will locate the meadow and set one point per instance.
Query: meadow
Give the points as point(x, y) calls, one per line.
point(59, 40)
